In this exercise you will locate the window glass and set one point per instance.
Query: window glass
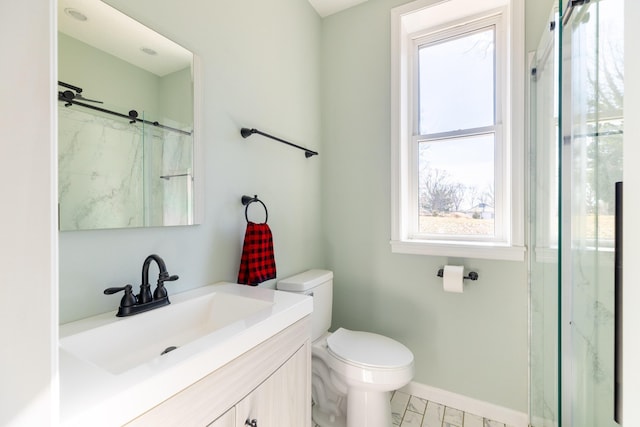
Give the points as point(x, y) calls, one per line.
point(456, 186)
point(457, 82)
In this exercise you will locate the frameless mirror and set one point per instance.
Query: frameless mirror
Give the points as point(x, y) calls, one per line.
point(125, 122)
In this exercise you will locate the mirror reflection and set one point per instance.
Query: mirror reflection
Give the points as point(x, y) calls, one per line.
point(125, 102)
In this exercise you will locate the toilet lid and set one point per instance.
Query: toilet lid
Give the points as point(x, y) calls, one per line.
point(366, 348)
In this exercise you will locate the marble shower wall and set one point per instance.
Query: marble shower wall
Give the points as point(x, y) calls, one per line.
point(109, 173)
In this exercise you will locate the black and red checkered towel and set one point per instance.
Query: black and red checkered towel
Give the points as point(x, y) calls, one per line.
point(257, 263)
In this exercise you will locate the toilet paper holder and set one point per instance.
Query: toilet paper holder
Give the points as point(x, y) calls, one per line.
point(472, 274)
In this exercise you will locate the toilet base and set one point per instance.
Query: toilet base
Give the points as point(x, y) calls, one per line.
point(364, 409)
point(368, 409)
point(323, 419)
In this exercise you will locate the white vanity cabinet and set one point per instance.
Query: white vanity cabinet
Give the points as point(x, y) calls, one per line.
point(280, 400)
point(271, 383)
point(227, 420)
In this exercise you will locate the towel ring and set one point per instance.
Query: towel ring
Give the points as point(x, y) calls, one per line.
point(247, 200)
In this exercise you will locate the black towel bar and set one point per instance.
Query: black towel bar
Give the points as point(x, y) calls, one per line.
point(246, 132)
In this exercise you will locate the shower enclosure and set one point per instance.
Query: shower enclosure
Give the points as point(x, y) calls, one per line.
point(576, 160)
point(116, 172)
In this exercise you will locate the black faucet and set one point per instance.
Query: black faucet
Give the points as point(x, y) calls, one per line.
point(144, 301)
point(145, 287)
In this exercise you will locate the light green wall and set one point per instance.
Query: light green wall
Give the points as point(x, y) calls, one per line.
point(174, 103)
point(271, 66)
point(260, 68)
point(474, 344)
point(104, 77)
point(123, 86)
point(537, 14)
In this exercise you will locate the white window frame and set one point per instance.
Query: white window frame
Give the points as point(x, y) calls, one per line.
point(452, 31)
point(413, 22)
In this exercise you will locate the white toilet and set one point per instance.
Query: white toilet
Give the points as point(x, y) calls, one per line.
point(353, 372)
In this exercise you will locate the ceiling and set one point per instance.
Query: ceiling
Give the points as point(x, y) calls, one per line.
point(129, 41)
point(329, 7)
point(111, 31)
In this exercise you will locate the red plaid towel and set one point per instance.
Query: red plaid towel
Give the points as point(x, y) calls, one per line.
point(257, 263)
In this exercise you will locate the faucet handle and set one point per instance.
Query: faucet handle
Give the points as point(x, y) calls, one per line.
point(161, 291)
point(164, 277)
point(128, 299)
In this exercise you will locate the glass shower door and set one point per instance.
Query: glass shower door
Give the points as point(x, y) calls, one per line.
point(592, 126)
point(543, 232)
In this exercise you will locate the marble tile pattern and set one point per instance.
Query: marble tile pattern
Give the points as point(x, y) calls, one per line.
point(100, 172)
point(109, 173)
point(412, 411)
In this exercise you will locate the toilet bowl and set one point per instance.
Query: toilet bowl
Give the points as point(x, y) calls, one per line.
point(353, 372)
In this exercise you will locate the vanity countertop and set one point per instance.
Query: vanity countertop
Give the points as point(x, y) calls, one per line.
point(91, 394)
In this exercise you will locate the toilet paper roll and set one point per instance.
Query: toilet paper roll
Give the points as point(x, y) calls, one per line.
point(452, 278)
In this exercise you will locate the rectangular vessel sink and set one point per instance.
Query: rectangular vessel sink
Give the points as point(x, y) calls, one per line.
point(112, 370)
point(126, 343)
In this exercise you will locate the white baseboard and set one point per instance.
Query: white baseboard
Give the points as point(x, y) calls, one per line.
point(508, 416)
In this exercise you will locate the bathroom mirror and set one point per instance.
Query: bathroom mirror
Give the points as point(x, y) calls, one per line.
point(126, 120)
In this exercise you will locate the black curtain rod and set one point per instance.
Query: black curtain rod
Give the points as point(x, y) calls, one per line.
point(70, 86)
point(246, 132)
point(67, 98)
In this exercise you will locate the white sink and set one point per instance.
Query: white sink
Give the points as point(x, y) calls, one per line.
point(142, 338)
point(112, 370)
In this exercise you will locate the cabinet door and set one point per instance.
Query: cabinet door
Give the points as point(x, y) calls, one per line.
point(282, 400)
point(226, 420)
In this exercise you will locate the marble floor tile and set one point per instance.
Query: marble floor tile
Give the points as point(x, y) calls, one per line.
point(452, 417)
point(433, 416)
point(399, 403)
point(430, 422)
point(411, 419)
point(471, 420)
point(413, 411)
point(417, 405)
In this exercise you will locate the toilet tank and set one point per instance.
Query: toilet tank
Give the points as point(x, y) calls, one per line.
point(319, 285)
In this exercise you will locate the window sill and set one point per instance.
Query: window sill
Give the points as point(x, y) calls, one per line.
point(459, 249)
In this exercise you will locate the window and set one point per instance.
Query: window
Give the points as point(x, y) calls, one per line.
point(457, 129)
